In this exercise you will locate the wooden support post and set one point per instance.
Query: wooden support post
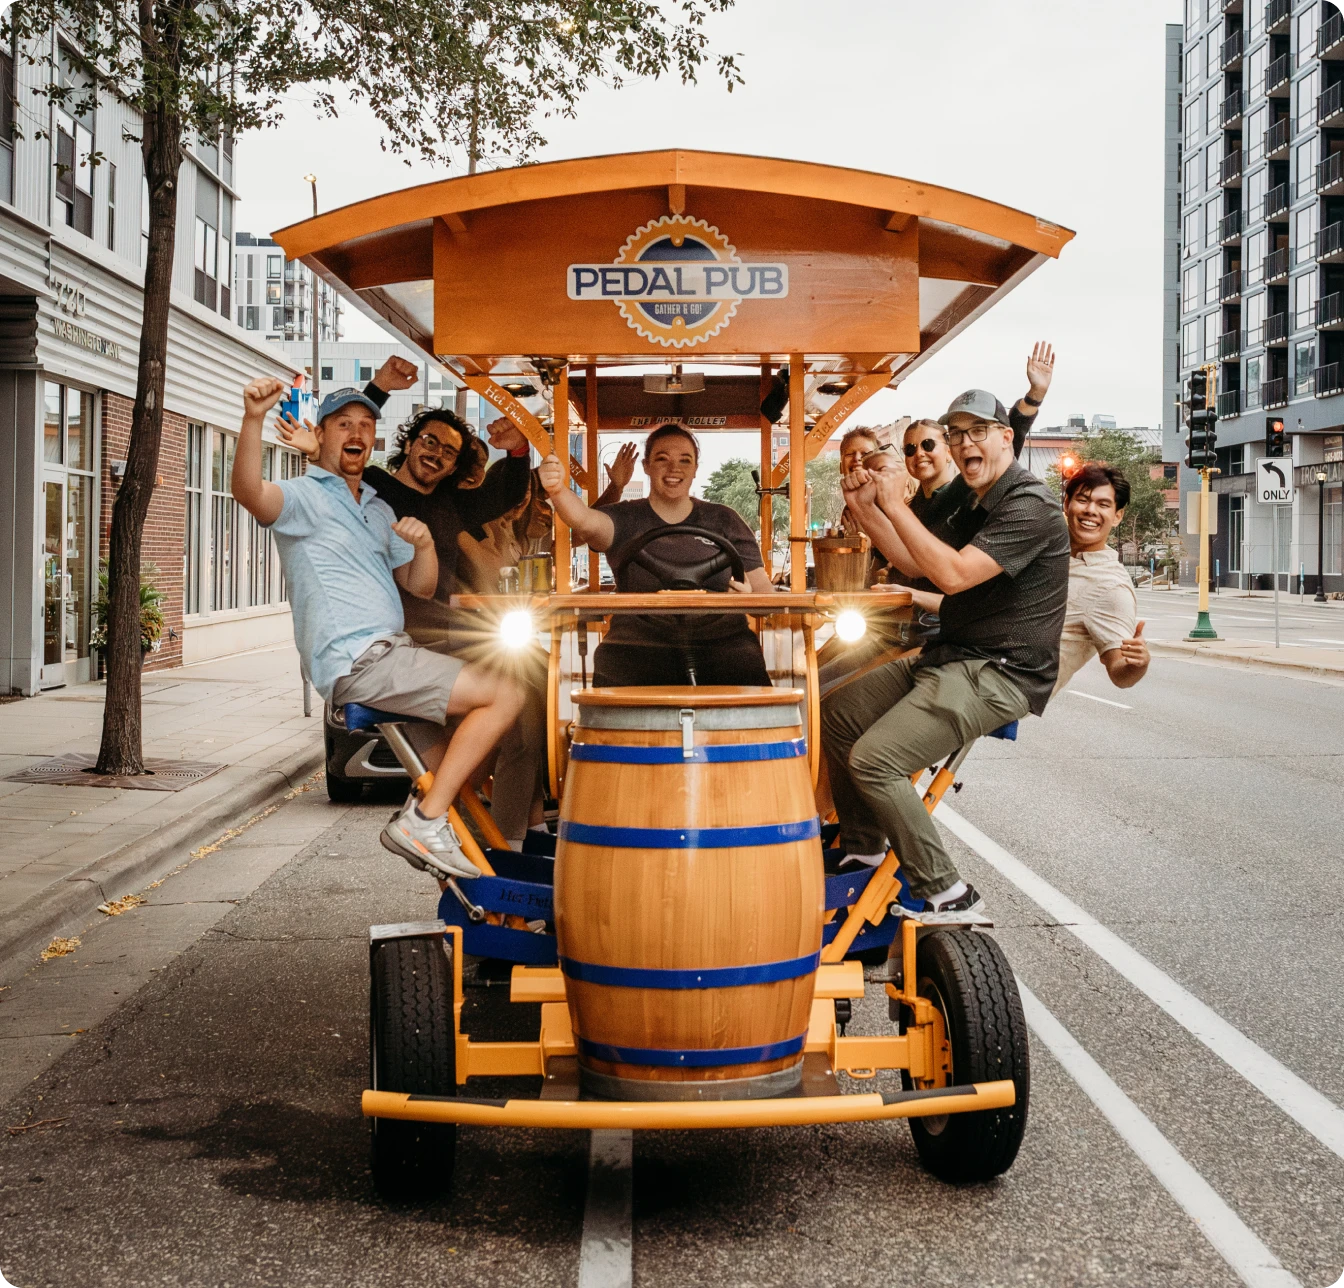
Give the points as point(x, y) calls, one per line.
point(767, 476)
point(591, 464)
point(797, 476)
point(560, 446)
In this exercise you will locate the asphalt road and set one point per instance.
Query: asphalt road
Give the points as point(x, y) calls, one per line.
point(1187, 1098)
point(1303, 623)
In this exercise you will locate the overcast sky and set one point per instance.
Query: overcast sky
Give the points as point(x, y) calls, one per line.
point(1052, 106)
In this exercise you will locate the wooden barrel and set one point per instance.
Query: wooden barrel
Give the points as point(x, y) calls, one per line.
point(689, 892)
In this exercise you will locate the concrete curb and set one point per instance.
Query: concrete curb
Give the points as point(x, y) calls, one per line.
point(66, 905)
point(1251, 661)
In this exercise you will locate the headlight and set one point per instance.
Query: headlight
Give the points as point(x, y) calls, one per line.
point(850, 625)
point(516, 629)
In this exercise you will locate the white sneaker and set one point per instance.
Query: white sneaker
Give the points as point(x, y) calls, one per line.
point(428, 844)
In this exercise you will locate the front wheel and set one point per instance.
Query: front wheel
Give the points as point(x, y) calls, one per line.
point(967, 978)
point(412, 1049)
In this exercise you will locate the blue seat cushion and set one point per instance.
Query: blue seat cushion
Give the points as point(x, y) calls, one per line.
point(358, 716)
point(1008, 733)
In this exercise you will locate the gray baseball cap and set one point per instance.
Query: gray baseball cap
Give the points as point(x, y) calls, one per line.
point(339, 398)
point(979, 403)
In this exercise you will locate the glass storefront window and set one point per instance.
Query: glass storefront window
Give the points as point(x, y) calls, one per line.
point(53, 443)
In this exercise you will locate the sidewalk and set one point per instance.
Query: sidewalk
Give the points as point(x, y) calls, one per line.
point(68, 849)
point(1325, 662)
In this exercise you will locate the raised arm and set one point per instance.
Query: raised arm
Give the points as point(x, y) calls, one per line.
point(1040, 372)
point(619, 474)
point(590, 527)
point(861, 499)
point(262, 500)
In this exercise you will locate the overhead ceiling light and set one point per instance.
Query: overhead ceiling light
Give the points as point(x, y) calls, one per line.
point(676, 383)
point(833, 387)
point(519, 388)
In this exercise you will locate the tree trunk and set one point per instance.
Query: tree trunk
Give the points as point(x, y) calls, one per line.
point(121, 751)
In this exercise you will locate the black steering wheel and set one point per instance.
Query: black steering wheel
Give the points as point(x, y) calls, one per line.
point(673, 575)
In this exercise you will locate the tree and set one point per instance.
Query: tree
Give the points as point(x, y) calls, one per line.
point(732, 485)
point(443, 77)
point(1147, 520)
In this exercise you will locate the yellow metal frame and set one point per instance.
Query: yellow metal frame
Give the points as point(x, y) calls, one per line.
point(922, 1050)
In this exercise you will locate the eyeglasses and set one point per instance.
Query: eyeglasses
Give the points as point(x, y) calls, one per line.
point(924, 445)
point(976, 434)
point(432, 444)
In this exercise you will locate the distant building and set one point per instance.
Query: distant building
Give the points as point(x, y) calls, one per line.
point(273, 296)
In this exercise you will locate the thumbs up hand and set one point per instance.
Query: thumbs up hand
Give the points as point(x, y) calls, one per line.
point(1135, 651)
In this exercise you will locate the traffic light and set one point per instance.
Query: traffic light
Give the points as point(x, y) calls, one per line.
point(1202, 420)
point(1276, 441)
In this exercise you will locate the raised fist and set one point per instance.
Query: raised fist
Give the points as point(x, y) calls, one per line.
point(552, 474)
point(262, 394)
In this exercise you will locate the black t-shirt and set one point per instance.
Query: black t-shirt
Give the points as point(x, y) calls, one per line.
point(446, 512)
point(950, 514)
point(633, 518)
point(1013, 620)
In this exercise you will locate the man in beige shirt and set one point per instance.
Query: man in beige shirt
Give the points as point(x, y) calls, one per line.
point(1102, 614)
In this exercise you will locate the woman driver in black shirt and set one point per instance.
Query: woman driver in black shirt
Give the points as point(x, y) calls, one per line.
point(708, 648)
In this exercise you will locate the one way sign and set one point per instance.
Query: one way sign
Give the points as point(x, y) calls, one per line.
point(1274, 480)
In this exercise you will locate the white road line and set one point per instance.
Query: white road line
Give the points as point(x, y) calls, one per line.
point(1231, 1238)
point(1311, 640)
point(1279, 1084)
point(1078, 693)
point(606, 1253)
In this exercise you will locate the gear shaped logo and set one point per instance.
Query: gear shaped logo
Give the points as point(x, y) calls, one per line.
point(678, 281)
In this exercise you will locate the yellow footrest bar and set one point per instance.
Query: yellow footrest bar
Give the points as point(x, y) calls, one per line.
point(685, 1115)
point(547, 984)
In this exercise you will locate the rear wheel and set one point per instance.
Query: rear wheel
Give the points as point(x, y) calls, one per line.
point(411, 1049)
point(967, 978)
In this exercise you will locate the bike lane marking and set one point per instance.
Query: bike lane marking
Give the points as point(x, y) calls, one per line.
point(1231, 1238)
point(606, 1252)
point(1297, 1098)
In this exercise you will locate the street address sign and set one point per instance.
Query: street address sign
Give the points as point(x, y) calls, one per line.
point(1274, 480)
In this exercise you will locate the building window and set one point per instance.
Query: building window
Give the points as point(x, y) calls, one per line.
point(1191, 237)
point(6, 126)
point(1190, 289)
point(274, 265)
point(1211, 52)
point(1254, 137)
point(1190, 340)
point(1211, 224)
point(327, 374)
point(1307, 22)
point(1253, 262)
point(1255, 22)
point(1213, 160)
point(191, 549)
point(1211, 267)
point(1236, 530)
point(111, 205)
point(1304, 233)
point(1255, 317)
point(223, 526)
point(1306, 90)
point(1306, 167)
point(366, 374)
point(1255, 194)
point(1213, 109)
point(1304, 288)
point(74, 173)
point(1332, 529)
point(273, 293)
point(1192, 65)
point(207, 240)
point(1192, 121)
point(1253, 382)
point(1304, 363)
point(253, 322)
point(225, 252)
point(1211, 337)
point(277, 319)
point(1192, 171)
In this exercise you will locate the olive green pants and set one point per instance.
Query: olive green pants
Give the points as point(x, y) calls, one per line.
point(878, 730)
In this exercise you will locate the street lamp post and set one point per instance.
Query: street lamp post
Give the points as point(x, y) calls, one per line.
point(1320, 536)
point(312, 304)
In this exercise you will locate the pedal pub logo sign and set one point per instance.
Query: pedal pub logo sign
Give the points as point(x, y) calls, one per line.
point(678, 281)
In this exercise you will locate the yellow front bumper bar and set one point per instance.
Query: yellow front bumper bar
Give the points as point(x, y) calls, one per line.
point(796, 1111)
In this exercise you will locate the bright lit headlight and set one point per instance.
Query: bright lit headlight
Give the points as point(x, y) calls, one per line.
point(850, 625)
point(516, 629)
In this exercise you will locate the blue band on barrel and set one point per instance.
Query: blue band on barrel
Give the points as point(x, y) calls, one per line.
point(719, 754)
point(707, 977)
point(714, 1057)
point(689, 838)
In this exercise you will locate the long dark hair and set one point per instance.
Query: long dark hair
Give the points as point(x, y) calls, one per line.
point(472, 452)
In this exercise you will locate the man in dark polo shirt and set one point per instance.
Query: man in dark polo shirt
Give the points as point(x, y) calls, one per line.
point(993, 660)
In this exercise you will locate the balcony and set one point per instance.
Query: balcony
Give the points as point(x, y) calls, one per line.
point(1229, 345)
point(1276, 329)
point(1233, 105)
point(1229, 227)
point(1231, 56)
point(1330, 244)
point(1330, 38)
point(1229, 286)
point(1231, 6)
point(1276, 16)
point(1231, 171)
point(1274, 393)
point(1276, 201)
point(1330, 105)
point(1276, 265)
point(1229, 404)
point(1330, 174)
point(1330, 312)
point(1277, 75)
point(1277, 138)
point(1327, 380)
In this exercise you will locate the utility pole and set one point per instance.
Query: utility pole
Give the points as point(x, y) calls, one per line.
point(312, 307)
point(1202, 419)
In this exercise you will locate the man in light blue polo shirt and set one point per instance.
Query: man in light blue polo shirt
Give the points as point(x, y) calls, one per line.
point(344, 553)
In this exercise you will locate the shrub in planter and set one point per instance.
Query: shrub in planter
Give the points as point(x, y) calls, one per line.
point(151, 612)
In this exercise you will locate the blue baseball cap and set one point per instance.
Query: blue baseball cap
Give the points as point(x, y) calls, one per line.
point(339, 398)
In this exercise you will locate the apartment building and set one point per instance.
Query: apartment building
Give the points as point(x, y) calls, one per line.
point(1254, 267)
point(73, 233)
point(274, 296)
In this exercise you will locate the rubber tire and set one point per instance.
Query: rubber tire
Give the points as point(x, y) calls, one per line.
point(412, 1049)
point(988, 1035)
point(344, 791)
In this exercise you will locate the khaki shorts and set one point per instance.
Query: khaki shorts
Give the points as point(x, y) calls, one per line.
point(393, 674)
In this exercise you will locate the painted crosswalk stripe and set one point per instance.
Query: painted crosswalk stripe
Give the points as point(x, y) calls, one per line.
point(1231, 1238)
point(1275, 1081)
point(606, 1253)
